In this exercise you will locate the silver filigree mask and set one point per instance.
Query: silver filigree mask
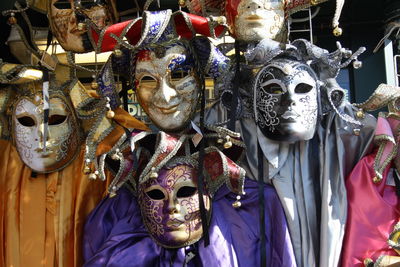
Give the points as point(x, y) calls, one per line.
point(44, 151)
point(167, 86)
point(170, 206)
point(286, 101)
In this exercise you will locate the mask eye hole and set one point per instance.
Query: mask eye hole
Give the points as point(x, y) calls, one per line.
point(62, 4)
point(273, 88)
point(57, 119)
point(26, 121)
point(155, 194)
point(303, 88)
point(178, 75)
point(147, 82)
point(186, 191)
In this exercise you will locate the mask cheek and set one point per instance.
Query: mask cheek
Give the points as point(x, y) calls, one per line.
point(308, 110)
point(152, 211)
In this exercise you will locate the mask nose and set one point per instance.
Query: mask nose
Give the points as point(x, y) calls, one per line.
point(43, 137)
point(173, 205)
point(288, 100)
point(165, 95)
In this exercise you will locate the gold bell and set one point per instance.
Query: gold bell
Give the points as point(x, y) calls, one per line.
point(110, 114)
point(92, 176)
point(377, 179)
point(221, 20)
point(81, 26)
point(118, 52)
point(337, 31)
point(115, 156)
point(112, 194)
point(87, 170)
point(153, 173)
point(182, 3)
point(368, 262)
point(228, 143)
point(356, 132)
point(94, 85)
point(360, 114)
point(237, 204)
point(12, 20)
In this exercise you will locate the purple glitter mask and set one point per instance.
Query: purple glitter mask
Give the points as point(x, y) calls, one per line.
point(170, 206)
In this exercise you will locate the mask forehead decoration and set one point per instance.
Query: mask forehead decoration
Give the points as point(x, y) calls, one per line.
point(166, 181)
point(70, 21)
point(286, 101)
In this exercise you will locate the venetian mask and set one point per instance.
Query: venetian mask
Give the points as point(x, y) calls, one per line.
point(45, 151)
point(167, 86)
point(254, 20)
point(67, 20)
point(170, 206)
point(285, 101)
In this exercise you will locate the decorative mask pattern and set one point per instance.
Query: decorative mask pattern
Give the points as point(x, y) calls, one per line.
point(286, 101)
point(62, 137)
point(67, 20)
point(167, 86)
point(254, 20)
point(170, 206)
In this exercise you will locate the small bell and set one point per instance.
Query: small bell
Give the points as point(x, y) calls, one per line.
point(92, 176)
point(221, 20)
point(81, 26)
point(237, 204)
point(376, 180)
point(356, 132)
point(357, 64)
point(12, 19)
point(368, 262)
point(110, 114)
point(118, 52)
point(337, 31)
point(153, 173)
point(113, 192)
point(182, 3)
point(360, 114)
point(348, 53)
point(228, 143)
point(220, 140)
point(115, 156)
point(87, 170)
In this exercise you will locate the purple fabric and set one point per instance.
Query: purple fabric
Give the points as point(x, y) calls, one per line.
point(115, 235)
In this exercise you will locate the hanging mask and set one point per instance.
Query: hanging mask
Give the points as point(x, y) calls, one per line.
point(167, 86)
point(254, 20)
point(45, 150)
point(170, 206)
point(68, 21)
point(165, 182)
point(286, 101)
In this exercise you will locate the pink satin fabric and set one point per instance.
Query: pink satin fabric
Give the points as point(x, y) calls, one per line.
point(373, 209)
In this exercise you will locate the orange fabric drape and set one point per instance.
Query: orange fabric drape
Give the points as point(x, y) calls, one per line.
point(42, 218)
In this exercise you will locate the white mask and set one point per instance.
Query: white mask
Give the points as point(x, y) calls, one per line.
point(254, 20)
point(62, 140)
